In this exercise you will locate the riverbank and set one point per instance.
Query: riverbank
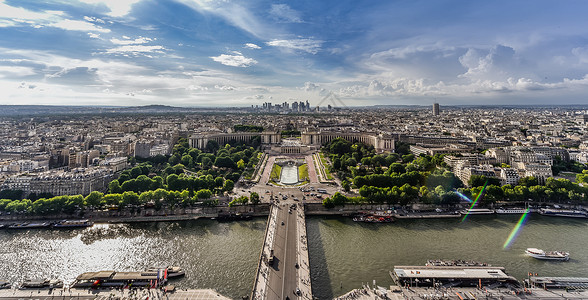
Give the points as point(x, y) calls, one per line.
point(111, 294)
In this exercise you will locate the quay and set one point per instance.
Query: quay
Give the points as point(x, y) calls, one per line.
point(283, 269)
point(480, 282)
point(110, 294)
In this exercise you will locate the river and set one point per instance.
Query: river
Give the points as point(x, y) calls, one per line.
point(343, 254)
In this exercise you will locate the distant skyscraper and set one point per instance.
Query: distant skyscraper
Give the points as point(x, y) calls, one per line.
point(435, 109)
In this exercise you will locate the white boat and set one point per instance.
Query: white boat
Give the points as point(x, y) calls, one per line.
point(547, 255)
point(477, 211)
point(570, 213)
point(513, 210)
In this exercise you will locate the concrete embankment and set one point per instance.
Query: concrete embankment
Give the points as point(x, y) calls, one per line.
point(111, 294)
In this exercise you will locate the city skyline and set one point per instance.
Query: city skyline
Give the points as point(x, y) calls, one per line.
point(225, 53)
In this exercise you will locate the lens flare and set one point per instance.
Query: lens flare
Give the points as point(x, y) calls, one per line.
point(475, 201)
point(516, 230)
point(462, 196)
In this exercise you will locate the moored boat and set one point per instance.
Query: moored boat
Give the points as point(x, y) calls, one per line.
point(372, 218)
point(72, 224)
point(41, 284)
point(512, 210)
point(547, 255)
point(570, 213)
point(477, 211)
point(27, 225)
point(455, 263)
point(172, 271)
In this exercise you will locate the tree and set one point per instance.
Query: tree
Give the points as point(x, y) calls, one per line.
point(224, 162)
point(254, 198)
point(212, 146)
point(345, 185)
point(339, 199)
point(229, 185)
point(187, 160)
point(206, 162)
point(174, 160)
point(114, 187)
point(241, 164)
point(397, 168)
point(219, 182)
point(528, 181)
point(93, 199)
point(340, 146)
point(407, 158)
point(129, 198)
point(203, 194)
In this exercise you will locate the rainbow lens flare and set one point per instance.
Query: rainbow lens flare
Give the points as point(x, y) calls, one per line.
point(516, 230)
point(462, 196)
point(475, 201)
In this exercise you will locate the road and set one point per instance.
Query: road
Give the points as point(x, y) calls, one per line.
point(283, 275)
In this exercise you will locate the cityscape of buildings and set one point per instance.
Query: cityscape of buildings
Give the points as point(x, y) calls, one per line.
point(73, 155)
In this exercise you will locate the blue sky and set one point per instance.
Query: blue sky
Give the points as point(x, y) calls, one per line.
point(244, 52)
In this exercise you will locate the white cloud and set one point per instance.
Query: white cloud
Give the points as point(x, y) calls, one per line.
point(234, 60)
point(118, 8)
point(284, 13)
point(136, 49)
point(16, 16)
point(93, 19)
point(251, 46)
point(306, 45)
point(127, 41)
point(236, 14)
point(78, 26)
point(93, 35)
point(15, 71)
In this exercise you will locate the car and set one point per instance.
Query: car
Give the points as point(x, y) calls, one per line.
point(297, 292)
point(282, 222)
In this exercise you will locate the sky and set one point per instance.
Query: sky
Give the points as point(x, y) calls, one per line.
point(247, 52)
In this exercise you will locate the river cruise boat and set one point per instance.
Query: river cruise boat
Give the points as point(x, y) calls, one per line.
point(172, 271)
point(477, 211)
point(570, 213)
point(374, 217)
point(27, 225)
point(547, 255)
point(455, 263)
point(41, 284)
point(72, 224)
point(112, 279)
point(511, 210)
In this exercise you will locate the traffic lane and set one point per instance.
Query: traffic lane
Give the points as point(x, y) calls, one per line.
point(291, 272)
point(275, 282)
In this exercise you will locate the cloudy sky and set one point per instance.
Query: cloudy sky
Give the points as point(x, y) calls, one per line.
point(244, 52)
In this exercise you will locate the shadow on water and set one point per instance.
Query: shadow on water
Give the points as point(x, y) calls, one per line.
point(319, 273)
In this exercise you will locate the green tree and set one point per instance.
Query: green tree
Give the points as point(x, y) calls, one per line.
point(345, 185)
point(129, 198)
point(187, 160)
point(254, 198)
point(229, 185)
point(114, 187)
point(204, 194)
point(224, 162)
point(93, 199)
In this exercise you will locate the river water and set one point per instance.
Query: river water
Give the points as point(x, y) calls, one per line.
point(343, 254)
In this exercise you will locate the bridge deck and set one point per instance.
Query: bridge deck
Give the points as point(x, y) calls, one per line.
point(288, 277)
